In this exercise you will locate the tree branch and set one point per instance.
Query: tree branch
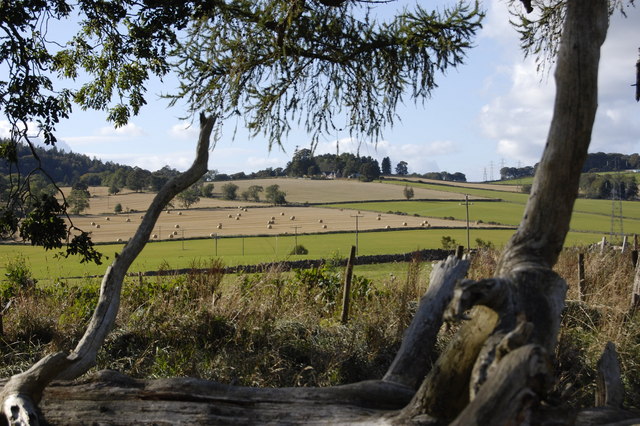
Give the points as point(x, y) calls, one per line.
point(23, 391)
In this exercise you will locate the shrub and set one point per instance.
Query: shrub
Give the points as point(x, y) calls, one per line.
point(448, 243)
point(18, 278)
point(117, 208)
point(299, 249)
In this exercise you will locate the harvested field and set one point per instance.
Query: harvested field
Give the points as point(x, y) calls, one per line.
point(340, 190)
point(473, 185)
point(250, 221)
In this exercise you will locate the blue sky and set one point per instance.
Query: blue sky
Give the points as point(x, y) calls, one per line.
point(490, 112)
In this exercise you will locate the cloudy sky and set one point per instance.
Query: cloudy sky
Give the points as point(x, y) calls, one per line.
point(493, 111)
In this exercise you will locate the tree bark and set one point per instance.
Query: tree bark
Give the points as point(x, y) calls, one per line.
point(416, 354)
point(528, 288)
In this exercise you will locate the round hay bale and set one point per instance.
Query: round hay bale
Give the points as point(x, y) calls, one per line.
point(319, 220)
point(237, 217)
point(324, 226)
point(387, 227)
point(175, 232)
point(212, 235)
point(230, 216)
point(118, 240)
point(244, 210)
point(292, 218)
point(273, 218)
point(269, 226)
point(179, 213)
point(238, 214)
point(219, 226)
point(127, 220)
point(170, 235)
point(141, 217)
point(404, 223)
point(177, 226)
point(93, 224)
point(379, 218)
point(281, 213)
point(97, 225)
point(107, 218)
point(155, 236)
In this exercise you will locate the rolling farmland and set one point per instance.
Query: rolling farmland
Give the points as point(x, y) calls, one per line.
point(248, 232)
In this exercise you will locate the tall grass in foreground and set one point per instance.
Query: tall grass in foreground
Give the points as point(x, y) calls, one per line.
point(283, 329)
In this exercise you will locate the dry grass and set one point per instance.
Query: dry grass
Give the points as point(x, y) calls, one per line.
point(278, 329)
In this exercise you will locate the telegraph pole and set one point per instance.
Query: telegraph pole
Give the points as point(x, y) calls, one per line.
point(357, 216)
point(466, 203)
point(295, 231)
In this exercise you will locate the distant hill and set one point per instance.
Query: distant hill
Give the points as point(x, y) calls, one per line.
point(65, 168)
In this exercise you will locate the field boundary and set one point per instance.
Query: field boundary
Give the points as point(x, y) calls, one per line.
point(428, 255)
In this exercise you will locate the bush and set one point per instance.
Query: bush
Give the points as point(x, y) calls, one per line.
point(299, 249)
point(117, 208)
point(449, 243)
point(18, 278)
point(229, 191)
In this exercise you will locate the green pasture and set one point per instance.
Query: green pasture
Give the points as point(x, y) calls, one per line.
point(503, 213)
point(253, 250)
point(520, 181)
point(630, 209)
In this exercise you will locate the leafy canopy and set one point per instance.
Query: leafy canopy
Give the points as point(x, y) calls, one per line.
point(275, 62)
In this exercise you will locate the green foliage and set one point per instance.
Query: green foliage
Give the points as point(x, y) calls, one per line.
point(282, 62)
point(386, 166)
point(18, 278)
point(189, 196)
point(401, 168)
point(229, 191)
point(207, 190)
point(369, 170)
point(78, 199)
point(43, 225)
point(482, 244)
point(448, 243)
point(299, 250)
point(275, 196)
point(408, 192)
point(252, 193)
point(117, 208)
point(604, 186)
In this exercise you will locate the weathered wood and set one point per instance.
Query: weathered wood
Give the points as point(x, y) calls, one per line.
point(609, 387)
point(635, 291)
point(582, 290)
point(512, 392)
point(109, 397)
point(609, 416)
point(346, 295)
point(445, 391)
point(413, 360)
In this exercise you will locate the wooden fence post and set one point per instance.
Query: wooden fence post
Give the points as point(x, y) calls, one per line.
point(602, 244)
point(635, 292)
point(582, 282)
point(347, 286)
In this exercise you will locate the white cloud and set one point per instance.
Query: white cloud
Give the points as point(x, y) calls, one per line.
point(518, 118)
point(128, 130)
point(184, 131)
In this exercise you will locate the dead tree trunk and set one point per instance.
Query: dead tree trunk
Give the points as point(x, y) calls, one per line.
point(526, 294)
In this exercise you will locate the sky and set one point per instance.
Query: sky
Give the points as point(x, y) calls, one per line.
point(491, 112)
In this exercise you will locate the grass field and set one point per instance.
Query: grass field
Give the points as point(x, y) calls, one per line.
point(591, 221)
point(497, 212)
point(253, 250)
